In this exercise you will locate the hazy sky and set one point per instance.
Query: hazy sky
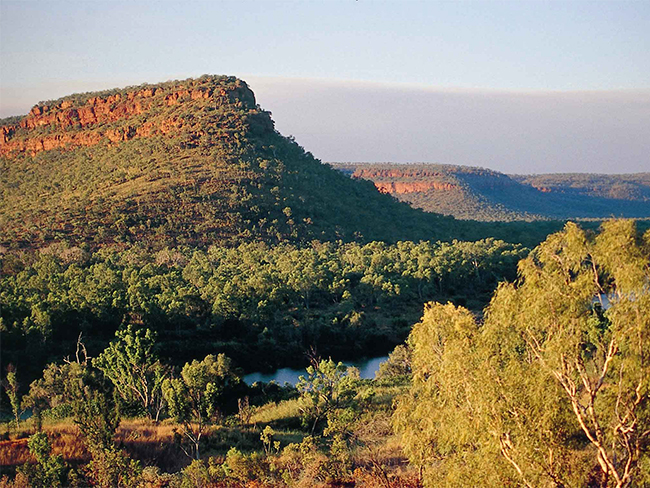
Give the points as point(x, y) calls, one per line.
point(514, 86)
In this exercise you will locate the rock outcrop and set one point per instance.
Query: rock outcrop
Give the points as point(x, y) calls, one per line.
point(401, 187)
point(192, 162)
point(407, 180)
point(86, 121)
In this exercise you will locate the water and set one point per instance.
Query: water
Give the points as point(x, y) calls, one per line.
point(367, 369)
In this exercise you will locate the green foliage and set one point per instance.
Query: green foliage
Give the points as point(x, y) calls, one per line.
point(48, 472)
point(196, 397)
point(95, 411)
point(112, 468)
point(97, 417)
point(262, 304)
point(54, 390)
point(11, 388)
point(242, 467)
point(74, 389)
point(328, 386)
point(131, 365)
point(552, 389)
point(270, 445)
point(196, 475)
point(398, 364)
point(187, 169)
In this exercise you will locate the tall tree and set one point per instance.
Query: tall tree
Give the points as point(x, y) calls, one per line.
point(328, 386)
point(132, 366)
point(195, 399)
point(12, 387)
point(552, 388)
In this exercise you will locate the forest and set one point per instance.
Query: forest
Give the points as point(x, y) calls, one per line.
point(259, 304)
point(527, 368)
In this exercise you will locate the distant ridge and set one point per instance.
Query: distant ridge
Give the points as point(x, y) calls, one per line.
point(482, 194)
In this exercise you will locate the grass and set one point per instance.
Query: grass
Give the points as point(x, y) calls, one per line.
point(277, 413)
point(375, 451)
point(152, 444)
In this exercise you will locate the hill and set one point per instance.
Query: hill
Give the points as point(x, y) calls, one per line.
point(184, 162)
point(481, 194)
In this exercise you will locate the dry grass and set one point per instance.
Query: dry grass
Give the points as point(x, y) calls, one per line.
point(64, 437)
point(152, 444)
point(274, 412)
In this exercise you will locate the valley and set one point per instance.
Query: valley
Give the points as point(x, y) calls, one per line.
point(163, 248)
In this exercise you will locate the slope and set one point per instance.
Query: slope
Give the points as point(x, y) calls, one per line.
point(183, 162)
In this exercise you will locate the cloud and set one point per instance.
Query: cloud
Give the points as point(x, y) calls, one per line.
point(509, 131)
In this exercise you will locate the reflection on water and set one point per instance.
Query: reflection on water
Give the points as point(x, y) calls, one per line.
point(367, 370)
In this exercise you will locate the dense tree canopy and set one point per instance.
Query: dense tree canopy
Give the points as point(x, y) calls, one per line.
point(257, 303)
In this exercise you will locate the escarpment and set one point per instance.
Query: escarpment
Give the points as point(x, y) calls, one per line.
point(88, 119)
point(400, 187)
point(482, 194)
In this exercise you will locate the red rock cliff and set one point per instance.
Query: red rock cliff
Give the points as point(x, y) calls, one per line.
point(408, 181)
point(114, 118)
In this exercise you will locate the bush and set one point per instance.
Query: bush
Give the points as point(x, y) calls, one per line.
point(112, 468)
point(48, 471)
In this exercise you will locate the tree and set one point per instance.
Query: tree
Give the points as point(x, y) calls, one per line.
point(83, 393)
point(398, 364)
point(11, 388)
point(552, 388)
point(133, 368)
point(196, 397)
point(327, 387)
point(75, 389)
point(112, 468)
point(54, 390)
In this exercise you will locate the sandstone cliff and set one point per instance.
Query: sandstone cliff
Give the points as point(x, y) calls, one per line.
point(183, 162)
point(112, 118)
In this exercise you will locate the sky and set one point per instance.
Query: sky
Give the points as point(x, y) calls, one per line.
point(520, 86)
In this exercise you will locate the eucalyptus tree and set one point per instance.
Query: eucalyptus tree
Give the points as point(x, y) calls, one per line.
point(327, 387)
point(131, 364)
point(551, 388)
point(196, 398)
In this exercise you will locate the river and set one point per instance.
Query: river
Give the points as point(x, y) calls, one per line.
point(367, 369)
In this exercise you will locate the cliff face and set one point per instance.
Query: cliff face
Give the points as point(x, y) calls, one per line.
point(401, 181)
point(86, 121)
point(422, 179)
point(401, 187)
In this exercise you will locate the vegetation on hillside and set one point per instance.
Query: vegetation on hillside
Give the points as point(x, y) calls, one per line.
point(174, 168)
point(633, 187)
point(262, 305)
point(157, 242)
point(481, 194)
